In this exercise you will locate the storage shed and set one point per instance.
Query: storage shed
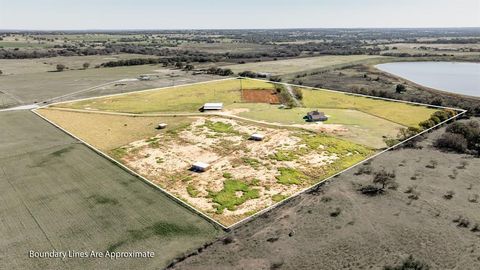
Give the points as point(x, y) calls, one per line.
point(256, 137)
point(212, 106)
point(200, 166)
point(161, 126)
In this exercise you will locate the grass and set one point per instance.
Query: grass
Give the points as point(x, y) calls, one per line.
point(278, 197)
point(362, 127)
point(283, 155)
point(253, 162)
point(52, 199)
point(192, 191)
point(187, 98)
point(109, 132)
point(298, 65)
point(227, 198)
point(220, 127)
point(291, 176)
point(397, 112)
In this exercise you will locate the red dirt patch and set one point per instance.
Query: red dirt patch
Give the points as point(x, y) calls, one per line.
point(260, 96)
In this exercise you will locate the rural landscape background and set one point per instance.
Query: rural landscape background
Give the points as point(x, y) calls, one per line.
point(415, 206)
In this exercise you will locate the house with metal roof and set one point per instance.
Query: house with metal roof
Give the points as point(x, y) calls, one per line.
point(315, 116)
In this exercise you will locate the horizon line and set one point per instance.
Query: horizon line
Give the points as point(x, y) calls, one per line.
point(226, 29)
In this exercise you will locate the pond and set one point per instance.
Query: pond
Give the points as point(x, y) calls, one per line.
point(456, 77)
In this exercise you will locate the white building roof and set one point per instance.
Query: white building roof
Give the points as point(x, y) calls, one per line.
point(213, 106)
point(256, 135)
point(200, 164)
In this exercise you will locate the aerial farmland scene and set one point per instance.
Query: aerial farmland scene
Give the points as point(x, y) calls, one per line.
point(256, 135)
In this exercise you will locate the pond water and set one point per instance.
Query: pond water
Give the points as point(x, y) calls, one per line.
point(456, 77)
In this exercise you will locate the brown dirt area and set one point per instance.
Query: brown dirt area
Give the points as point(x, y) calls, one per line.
point(260, 96)
point(367, 232)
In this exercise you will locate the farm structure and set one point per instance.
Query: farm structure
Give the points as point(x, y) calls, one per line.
point(212, 106)
point(257, 137)
point(315, 116)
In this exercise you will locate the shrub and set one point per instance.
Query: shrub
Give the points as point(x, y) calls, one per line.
point(409, 264)
point(384, 178)
point(60, 67)
point(452, 141)
point(400, 88)
point(335, 212)
point(448, 195)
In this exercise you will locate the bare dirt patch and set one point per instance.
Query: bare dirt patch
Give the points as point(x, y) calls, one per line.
point(260, 96)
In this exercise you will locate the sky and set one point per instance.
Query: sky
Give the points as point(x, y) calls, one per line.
point(227, 14)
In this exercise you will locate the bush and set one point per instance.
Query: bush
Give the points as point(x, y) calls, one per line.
point(409, 264)
point(453, 142)
point(400, 88)
point(60, 67)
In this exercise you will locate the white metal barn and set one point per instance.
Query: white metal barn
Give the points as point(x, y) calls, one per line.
point(212, 106)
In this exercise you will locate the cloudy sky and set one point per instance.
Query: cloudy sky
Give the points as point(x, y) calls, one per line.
point(222, 14)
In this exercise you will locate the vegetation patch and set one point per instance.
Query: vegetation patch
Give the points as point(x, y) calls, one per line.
point(278, 197)
point(234, 193)
point(283, 155)
point(290, 176)
point(220, 127)
point(192, 191)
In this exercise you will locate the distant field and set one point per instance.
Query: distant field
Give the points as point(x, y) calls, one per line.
point(188, 98)
point(298, 65)
point(29, 80)
point(57, 194)
point(398, 112)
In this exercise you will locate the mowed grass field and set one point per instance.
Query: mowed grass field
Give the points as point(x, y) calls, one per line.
point(120, 130)
point(186, 98)
point(363, 128)
point(55, 193)
point(297, 65)
point(398, 112)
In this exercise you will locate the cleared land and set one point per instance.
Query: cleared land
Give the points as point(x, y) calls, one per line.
point(337, 227)
point(55, 193)
point(300, 64)
point(244, 176)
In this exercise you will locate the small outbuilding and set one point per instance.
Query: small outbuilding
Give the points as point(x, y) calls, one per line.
point(161, 126)
point(200, 166)
point(212, 106)
point(315, 116)
point(256, 137)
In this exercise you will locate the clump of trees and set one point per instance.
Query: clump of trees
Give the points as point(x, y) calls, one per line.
point(461, 137)
point(437, 118)
point(220, 71)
